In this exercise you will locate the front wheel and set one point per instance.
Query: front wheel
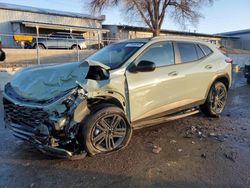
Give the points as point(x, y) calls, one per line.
point(105, 130)
point(216, 100)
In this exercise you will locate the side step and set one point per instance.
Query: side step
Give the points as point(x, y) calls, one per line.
point(152, 122)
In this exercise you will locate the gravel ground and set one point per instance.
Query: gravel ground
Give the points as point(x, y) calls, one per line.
point(197, 151)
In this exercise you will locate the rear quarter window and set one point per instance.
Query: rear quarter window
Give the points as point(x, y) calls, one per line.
point(200, 53)
point(206, 49)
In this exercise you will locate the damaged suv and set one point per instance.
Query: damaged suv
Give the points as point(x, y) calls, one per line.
point(92, 107)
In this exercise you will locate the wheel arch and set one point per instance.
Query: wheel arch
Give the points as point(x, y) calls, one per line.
point(224, 78)
point(39, 43)
point(106, 99)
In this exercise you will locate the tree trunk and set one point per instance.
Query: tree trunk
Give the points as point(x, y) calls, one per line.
point(156, 32)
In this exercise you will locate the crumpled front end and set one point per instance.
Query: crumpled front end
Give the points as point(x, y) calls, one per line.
point(45, 105)
point(51, 127)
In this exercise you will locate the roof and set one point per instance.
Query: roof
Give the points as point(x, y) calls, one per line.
point(59, 26)
point(7, 6)
point(238, 32)
point(127, 27)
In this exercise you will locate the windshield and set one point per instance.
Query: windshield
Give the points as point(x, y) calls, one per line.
point(116, 54)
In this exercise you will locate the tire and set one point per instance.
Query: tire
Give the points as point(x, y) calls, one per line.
point(40, 46)
point(98, 136)
point(75, 47)
point(216, 100)
point(248, 80)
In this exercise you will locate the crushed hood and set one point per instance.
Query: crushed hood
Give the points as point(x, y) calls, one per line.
point(44, 82)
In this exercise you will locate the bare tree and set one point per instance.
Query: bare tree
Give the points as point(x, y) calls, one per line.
point(153, 12)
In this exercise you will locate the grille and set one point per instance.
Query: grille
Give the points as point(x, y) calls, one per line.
point(23, 115)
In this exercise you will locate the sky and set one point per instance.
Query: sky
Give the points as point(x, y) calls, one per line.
point(222, 16)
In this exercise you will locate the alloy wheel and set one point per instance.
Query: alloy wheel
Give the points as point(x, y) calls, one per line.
point(219, 97)
point(109, 133)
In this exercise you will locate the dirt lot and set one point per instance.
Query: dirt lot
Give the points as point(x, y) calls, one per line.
point(196, 152)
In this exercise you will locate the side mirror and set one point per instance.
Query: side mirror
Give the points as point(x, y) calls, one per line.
point(143, 66)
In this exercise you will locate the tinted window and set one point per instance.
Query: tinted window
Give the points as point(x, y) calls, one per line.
point(206, 49)
point(77, 37)
point(58, 36)
point(187, 52)
point(200, 53)
point(161, 54)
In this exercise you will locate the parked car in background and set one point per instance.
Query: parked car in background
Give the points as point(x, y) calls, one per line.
point(2, 53)
point(93, 106)
point(247, 71)
point(60, 40)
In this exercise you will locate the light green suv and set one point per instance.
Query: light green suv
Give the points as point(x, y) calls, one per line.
point(92, 107)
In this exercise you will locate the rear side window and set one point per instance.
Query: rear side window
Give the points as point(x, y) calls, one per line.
point(187, 52)
point(77, 37)
point(161, 54)
point(206, 49)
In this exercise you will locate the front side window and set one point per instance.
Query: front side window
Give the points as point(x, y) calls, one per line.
point(116, 54)
point(161, 54)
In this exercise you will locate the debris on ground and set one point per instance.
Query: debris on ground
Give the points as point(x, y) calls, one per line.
point(193, 142)
point(156, 149)
point(226, 135)
point(203, 155)
point(194, 132)
point(212, 134)
point(179, 150)
point(231, 156)
point(193, 129)
point(243, 128)
point(171, 163)
point(26, 164)
point(172, 141)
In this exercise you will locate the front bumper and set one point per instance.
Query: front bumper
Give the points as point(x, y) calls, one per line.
point(38, 140)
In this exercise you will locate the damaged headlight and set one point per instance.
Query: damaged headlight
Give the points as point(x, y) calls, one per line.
point(71, 102)
point(82, 92)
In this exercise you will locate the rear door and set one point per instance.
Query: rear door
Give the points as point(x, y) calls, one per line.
point(62, 40)
point(198, 69)
point(151, 93)
point(51, 41)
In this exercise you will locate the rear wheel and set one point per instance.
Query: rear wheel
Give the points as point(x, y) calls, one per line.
point(40, 46)
point(216, 100)
point(105, 130)
point(75, 47)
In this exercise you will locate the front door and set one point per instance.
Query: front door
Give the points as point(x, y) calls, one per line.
point(151, 93)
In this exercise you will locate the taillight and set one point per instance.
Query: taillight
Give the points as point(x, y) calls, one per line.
point(229, 60)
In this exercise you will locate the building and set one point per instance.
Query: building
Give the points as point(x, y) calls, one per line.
point(244, 39)
point(15, 19)
point(122, 32)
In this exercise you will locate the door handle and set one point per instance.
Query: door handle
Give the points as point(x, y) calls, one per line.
point(208, 67)
point(174, 73)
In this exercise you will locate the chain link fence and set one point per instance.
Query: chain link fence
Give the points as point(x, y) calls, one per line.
point(24, 50)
